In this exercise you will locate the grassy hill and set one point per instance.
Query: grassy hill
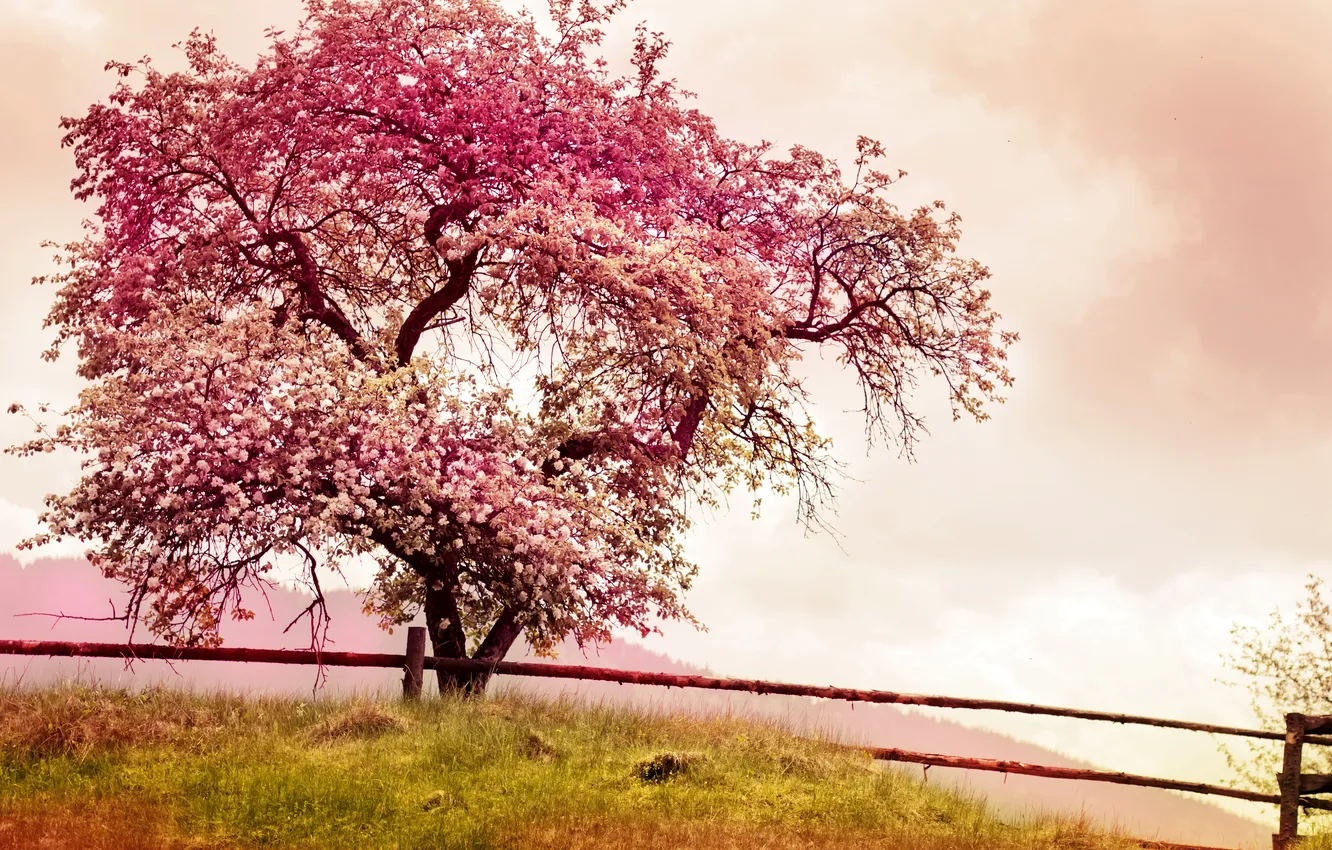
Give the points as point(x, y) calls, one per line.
point(84, 768)
point(74, 587)
point(1142, 812)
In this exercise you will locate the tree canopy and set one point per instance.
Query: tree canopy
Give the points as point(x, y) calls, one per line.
point(1286, 667)
point(428, 285)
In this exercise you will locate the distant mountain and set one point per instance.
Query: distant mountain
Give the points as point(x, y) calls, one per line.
point(73, 587)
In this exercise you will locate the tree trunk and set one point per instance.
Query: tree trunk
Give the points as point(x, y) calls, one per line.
point(444, 624)
point(493, 649)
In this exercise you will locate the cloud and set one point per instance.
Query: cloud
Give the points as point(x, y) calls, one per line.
point(68, 18)
point(1224, 117)
point(18, 523)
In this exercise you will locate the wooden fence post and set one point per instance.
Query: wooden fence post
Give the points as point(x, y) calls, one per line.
point(1289, 783)
point(415, 666)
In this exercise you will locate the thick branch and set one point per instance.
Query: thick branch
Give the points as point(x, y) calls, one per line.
point(441, 214)
point(577, 447)
point(443, 620)
point(317, 305)
point(460, 279)
point(500, 638)
point(819, 333)
point(583, 446)
point(610, 441)
point(687, 429)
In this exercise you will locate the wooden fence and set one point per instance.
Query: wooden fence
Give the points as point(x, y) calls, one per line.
point(1301, 729)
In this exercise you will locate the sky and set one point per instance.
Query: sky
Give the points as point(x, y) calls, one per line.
point(1147, 183)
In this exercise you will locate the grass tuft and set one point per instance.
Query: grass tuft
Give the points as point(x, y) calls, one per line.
point(664, 766)
point(536, 746)
point(440, 799)
point(363, 720)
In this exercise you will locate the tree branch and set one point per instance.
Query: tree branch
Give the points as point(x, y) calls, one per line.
point(577, 447)
point(317, 305)
point(687, 428)
point(500, 638)
point(460, 280)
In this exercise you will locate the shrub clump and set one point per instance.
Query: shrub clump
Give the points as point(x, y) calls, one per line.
point(664, 766)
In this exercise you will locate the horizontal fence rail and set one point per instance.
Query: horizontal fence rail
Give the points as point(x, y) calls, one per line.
point(1017, 767)
point(159, 652)
point(146, 651)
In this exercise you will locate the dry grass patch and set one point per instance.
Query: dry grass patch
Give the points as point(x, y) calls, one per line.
point(811, 766)
point(108, 824)
point(362, 721)
point(79, 720)
point(717, 835)
point(504, 710)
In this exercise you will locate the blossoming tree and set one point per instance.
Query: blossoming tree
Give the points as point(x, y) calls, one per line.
point(430, 286)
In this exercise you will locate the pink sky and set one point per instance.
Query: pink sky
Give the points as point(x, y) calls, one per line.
point(1147, 181)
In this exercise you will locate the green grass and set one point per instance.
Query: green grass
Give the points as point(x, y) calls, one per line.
point(87, 768)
